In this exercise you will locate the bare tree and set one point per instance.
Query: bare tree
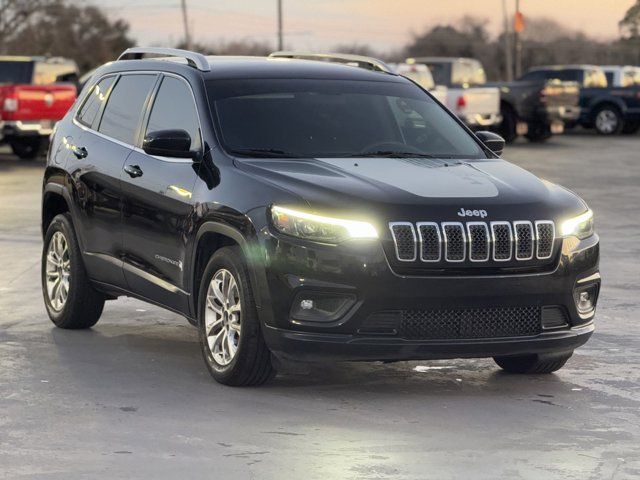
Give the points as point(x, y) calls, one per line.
point(13, 16)
point(630, 24)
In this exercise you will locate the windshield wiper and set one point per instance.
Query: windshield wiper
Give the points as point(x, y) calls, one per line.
point(394, 154)
point(263, 153)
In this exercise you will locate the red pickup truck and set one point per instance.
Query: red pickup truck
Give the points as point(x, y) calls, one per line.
point(35, 92)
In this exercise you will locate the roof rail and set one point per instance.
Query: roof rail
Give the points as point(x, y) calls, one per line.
point(196, 60)
point(361, 61)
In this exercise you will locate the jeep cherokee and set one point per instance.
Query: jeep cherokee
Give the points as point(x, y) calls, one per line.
point(311, 211)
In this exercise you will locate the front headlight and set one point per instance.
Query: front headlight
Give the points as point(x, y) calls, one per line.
point(319, 228)
point(580, 226)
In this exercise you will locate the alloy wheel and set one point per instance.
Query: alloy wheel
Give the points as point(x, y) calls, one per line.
point(607, 121)
point(222, 317)
point(58, 271)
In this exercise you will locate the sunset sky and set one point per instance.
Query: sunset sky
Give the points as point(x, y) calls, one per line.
point(320, 24)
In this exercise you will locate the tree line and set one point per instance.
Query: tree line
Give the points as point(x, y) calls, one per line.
point(86, 34)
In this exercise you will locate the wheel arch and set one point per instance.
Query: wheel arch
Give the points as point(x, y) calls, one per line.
point(55, 200)
point(211, 236)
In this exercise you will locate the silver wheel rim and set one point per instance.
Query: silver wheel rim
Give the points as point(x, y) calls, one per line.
point(222, 317)
point(607, 121)
point(58, 271)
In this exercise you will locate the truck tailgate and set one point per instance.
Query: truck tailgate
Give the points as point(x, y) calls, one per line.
point(475, 101)
point(35, 102)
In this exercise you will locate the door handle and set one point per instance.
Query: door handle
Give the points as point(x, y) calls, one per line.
point(79, 152)
point(133, 171)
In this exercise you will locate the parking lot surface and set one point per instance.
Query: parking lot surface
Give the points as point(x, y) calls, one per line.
point(131, 398)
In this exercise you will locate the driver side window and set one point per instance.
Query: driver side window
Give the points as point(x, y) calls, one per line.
point(174, 109)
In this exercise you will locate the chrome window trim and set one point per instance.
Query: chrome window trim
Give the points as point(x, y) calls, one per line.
point(446, 243)
point(156, 87)
point(533, 238)
point(432, 224)
point(470, 241)
point(553, 238)
point(395, 242)
point(493, 239)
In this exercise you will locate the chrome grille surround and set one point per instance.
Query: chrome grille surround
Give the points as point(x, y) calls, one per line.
point(525, 239)
point(404, 239)
point(478, 242)
point(455, 241)
point(545, 235)
point(500, 244)
point(430, 241)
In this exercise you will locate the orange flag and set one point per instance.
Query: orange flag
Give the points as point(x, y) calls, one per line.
point(518, 22)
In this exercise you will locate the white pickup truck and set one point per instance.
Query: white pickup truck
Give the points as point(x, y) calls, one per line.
point(476, 105)
point(422, 76)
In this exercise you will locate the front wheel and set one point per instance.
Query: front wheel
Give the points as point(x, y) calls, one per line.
point(533, 364)
point(231, 338)
point(70, 299)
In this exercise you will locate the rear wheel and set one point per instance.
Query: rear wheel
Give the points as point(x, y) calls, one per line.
point(608, 120)
point(231, 338)
point(508, 127)
point(28, 148)
point(69, 298)
point(533, 364)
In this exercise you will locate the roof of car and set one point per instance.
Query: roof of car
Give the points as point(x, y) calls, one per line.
point(244, 67)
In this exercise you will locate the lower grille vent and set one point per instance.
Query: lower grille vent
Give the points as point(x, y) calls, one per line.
point(470, 323)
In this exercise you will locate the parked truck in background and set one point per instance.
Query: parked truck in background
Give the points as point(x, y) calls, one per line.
point(35, 92)
point(421, 75)
point(537, 109)
point(610, 109)
point(477, 105)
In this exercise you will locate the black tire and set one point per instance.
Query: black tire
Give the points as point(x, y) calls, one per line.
point(612, 115)
point(539, 133)
point(28, 148)
point(507, 128)
point(252, 363)
point(630, 128)
point(533, 364)
point(84, 304)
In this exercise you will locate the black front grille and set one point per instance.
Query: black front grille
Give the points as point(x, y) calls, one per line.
point(524, 240)
point(502, 240)
point(454, 242)
point(429, 242)
point(470, 323)
point(545, 234)
point(478, 242)
point(405, 240)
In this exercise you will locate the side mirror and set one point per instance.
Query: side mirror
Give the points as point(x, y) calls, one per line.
point(168, 143)
point(493, 141)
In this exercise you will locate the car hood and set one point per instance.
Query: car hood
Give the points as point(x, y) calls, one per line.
point(409, 187)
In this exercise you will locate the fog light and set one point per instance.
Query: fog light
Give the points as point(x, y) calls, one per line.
point(321, 306)
point(585, 298)
point(306, 304)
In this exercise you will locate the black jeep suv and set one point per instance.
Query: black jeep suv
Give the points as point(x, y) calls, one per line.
point(300, 209)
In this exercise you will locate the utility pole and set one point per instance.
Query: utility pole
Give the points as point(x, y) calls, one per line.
point(185, 20)
point(518, 43)
point(507, 43)
point(280, 42)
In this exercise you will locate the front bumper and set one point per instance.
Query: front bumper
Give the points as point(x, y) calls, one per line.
point(360, 269)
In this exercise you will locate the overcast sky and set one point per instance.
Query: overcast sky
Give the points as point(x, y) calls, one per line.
point(320, 24)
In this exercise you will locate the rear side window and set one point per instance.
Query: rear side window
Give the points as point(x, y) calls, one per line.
point(125, 107)
point(174, 109)
point(91, 107)
point(16, 71)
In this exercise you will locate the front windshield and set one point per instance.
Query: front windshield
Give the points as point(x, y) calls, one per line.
point(307, 118)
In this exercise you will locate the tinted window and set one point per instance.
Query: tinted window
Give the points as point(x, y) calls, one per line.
point(328, 118)
point(440, 73)
point(609, 77)
point(125, 107)
point(569, 75)
point(93, 103)
point(174, 109)
point(16, 72)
